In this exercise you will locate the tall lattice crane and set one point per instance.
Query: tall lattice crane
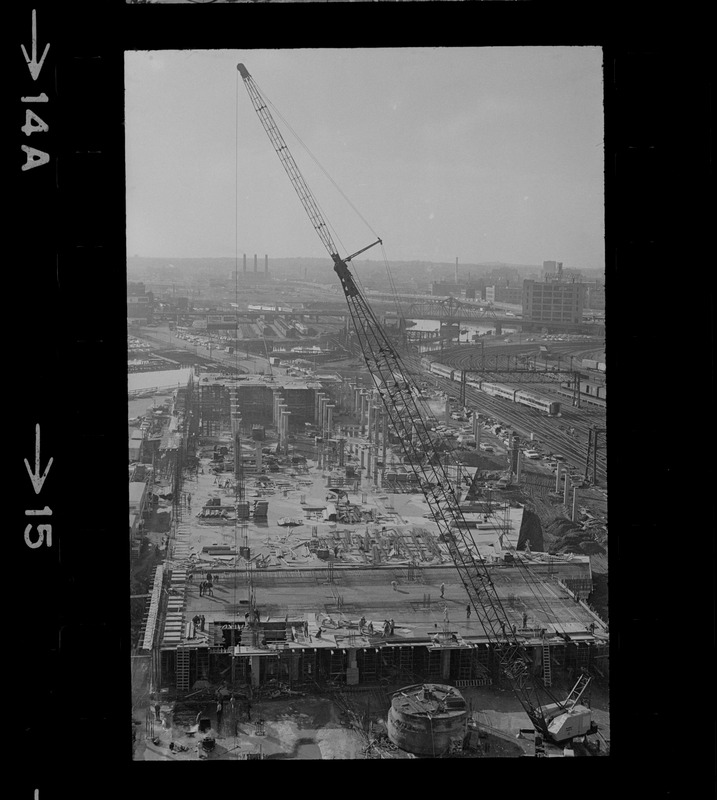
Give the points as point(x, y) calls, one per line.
point(558, 721)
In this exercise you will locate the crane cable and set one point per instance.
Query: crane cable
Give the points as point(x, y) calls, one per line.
point(316, 161)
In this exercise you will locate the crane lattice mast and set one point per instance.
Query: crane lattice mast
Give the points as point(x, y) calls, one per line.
point(398, 395)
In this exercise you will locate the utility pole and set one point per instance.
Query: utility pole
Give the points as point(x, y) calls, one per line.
point(592, 451)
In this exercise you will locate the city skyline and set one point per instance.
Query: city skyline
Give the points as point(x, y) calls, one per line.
point(521, 180)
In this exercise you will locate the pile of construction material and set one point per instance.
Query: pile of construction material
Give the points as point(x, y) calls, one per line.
point(565, 536)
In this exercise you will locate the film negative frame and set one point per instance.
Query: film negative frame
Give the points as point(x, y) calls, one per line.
point(67, 469)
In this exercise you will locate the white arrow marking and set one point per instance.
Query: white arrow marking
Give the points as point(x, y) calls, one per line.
point(35, 477)
point(33, 64)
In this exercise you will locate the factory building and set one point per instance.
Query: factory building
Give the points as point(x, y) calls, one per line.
point(553, 301)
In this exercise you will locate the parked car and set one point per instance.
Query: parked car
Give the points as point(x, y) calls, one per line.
point(532, 454)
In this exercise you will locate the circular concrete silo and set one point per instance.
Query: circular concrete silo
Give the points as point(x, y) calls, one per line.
point(424, 719)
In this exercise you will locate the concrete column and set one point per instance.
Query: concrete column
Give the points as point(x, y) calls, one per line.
point(363, 458)
point(445, 664)
point(317, 395)
point(322, 412)
point(285, 428)
point(448, 411)
point(352, 671)
point(575, 504)
point(369, 461)
point(369, 416)
point(317, 407)
point(357, 400)
point(258, 456)
point(362, 416)
point(558, 473)
point(322, 415)
point(277, 410)
point(375, 468)
point(330, 420)
point(255, 670)
point(566, 494)
point(519, 465)
point(342, 445)
point(325, 418)
point(279, 421)
point(384, 445)
point(377, 426)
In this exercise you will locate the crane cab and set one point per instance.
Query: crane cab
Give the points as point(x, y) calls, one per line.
point(565, 724)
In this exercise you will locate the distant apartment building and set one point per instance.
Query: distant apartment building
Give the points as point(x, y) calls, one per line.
point(552, 268)
point(595, 295)
point(442, 289)
point(553, 301)
point(504, 294)
point(139, 308)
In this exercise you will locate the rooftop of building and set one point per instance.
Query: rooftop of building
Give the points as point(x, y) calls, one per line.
point(273, 381)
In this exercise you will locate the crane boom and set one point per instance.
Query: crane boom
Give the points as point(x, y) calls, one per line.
point(397, 393)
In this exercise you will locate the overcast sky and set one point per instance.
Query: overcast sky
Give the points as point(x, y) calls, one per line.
point(480, 154)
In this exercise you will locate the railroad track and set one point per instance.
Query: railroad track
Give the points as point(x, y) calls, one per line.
point(464, 357)
point(566, 435)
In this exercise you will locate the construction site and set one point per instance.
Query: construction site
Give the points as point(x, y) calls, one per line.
point(325, 578)
point(290, 569)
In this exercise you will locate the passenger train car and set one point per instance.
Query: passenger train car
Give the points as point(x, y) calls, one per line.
point(515, 395)
point(443, 370)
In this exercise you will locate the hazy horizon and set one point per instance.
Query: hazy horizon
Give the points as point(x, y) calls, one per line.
point(488, 155)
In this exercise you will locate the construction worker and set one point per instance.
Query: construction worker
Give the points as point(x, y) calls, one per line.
point(468, 611)
point(443, 590)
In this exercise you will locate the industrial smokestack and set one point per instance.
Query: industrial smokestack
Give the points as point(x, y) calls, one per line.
point(254, 262)
point(456, 278)
point(244, 262)
point(266, 265)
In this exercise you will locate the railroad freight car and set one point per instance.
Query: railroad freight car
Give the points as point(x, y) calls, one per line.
point(596, 366)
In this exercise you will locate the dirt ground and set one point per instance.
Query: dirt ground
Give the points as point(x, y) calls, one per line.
point(324, 728)
point(296, 728)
